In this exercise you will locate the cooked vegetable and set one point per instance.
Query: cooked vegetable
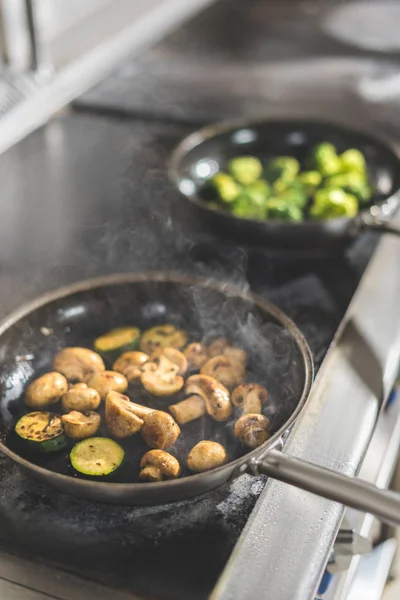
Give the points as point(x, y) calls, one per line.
point(226, 187)
point(283, 168)
point(311, 180)
point(245, 207)
point(79, 426)
point(218, 346)
point(331, 203)
point(77, 364)
point(245, 169)
point(188, 410)
point(281, 210)
point(227, 371)
point(96, 456)
point(41, 431)
point(46, 390)
point(325, 159)
point(163, 336)
point(196, 354)
point(353, 182)
point(250, 397)
point(130, 365)
point(214, 394)
point(121, 418)
point(177, 358)
point(107, 381)
point(353, 160)
point(252, 429)
point(160, 430)
point(161, 378)
point(205, 456)
point(157, 465)
point(116, 341)
point(295, 194)
point(82, 398)
point(259, 191)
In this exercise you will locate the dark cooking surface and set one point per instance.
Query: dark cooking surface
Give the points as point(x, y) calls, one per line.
point(96, 189)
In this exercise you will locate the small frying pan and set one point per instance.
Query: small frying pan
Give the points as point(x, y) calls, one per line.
point(210, 149)
point(278, 357)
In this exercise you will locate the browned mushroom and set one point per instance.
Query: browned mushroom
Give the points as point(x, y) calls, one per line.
point(107, 381)
point(160, 430)
point(205, 456)
point(236, 355)
point(121, 419)
point(217, 347)
point(161, 378)
point(80, 397)
point(79, 426)
point(252, 430)
point(173, 355)
point(77, 364)
point(188, 410)
point(250, 397)
point(229, 372)
point(46, 390)
point(196, 354)
point(157, 465)
point(214, 394)
point(130, 365)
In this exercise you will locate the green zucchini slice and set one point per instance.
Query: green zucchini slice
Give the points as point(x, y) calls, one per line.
point(41, 431)
point(116, 341)
point(96, 456)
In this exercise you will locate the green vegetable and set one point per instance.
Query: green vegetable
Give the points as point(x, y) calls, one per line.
point(325, 159)
point(280, 209)
point(330, 203)
point(96, 456)
point(227, 188)
point(259, 191)
point(245, 169)
point(353, 182)
point(41, 431)
point(245, 207)
point(353, 160)
point(115, 342)
point(296, 194)
point(283, 168)
point(311, 179)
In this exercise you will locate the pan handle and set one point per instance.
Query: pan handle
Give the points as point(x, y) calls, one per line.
point(347, 490)
point(368, 222)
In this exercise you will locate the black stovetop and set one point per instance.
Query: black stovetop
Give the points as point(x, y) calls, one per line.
point(96, 188)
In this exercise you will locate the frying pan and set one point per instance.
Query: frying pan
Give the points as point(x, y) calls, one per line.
point(207, 150)
point(278, 357)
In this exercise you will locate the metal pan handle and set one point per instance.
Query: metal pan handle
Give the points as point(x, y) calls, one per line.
point(349, 491)
point(368, 222)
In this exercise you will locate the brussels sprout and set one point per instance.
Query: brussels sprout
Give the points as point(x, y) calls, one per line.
point(244, 207)
point(227, 188)
point(296, 194)
point(353, 160)
point(245, 169)
point(284, 168)
point(325, 159)
point(353, 182)
point(333, 202)
point(280, 209)
point(258, 192)
point(311, 179)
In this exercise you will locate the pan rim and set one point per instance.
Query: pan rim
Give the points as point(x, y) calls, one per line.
point(213, 129)
point(173, 277)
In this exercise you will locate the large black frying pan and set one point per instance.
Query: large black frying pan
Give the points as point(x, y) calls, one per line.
point(278, 357)
point(210, 149)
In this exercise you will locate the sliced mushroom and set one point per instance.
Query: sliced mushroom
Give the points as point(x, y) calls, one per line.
point(160, 430)
point(79, 426)
point(157, 465)
point(217, 347)
point(250, 397)
point(236, 355)
point(188, 410)
point(163, 336)
point(196, 354)
point(140, 410)
point(161, 379)
point(77, 364)
point(205, 456)
point(122, 421)
point(173, 355)
point(80, 397)
point(229, 372)
point(252, 430)
point(108, 381)
point(214, 394)
point(46, 390)
point(130, 365)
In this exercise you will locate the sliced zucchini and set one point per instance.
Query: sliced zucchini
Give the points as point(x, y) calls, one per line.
point(96, 457)
point(116, 341)
point(42, 431)
point(163, 336)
